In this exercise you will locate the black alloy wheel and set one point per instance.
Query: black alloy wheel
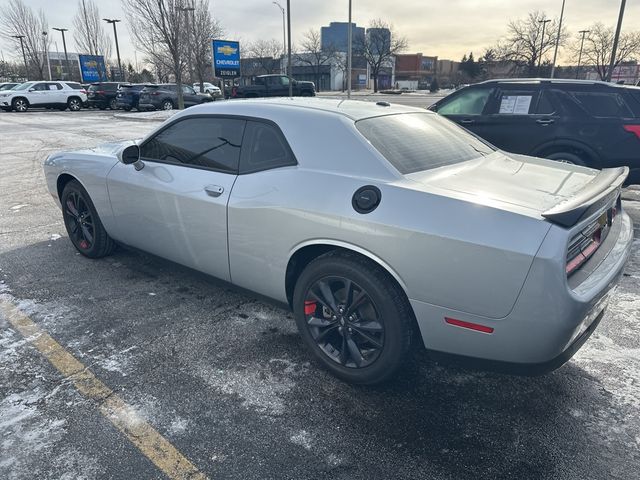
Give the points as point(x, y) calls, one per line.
point(344, 322)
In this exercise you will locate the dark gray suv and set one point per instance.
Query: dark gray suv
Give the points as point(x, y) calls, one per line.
point(589, 123)
point(165, 97)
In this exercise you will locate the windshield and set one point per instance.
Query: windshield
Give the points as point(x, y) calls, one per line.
point(24, 86)
point(413, 142)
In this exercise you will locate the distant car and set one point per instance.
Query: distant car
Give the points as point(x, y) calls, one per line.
point(165, 97)
point(60, 95)
point(388, 227)
point(128, 96)
point(8, 85)
point(102, 95)
point(209, 88)
point(589, 123)
point(274, 86)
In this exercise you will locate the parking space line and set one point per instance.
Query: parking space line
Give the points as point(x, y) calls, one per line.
point(124, 417)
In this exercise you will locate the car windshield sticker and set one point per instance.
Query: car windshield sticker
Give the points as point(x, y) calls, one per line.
point(52, 87)
point(515, 104)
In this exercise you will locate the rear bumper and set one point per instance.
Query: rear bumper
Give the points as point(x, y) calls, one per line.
point(549, 321)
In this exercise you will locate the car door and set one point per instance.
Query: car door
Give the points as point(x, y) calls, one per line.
point(520, 118)
point(189, 95)
point(55, 94)
point(37, 94)
point(176, 205)
point(278, 86)
point(466, 108)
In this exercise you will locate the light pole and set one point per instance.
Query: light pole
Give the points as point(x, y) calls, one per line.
point(555, 53)
point(583, 32)
point(186, 11)
point(544, 24)
point(115, 34)
point(24, 56)
point(284, 35)
point(349, 51)
point(615, 40)
point(64, 45)
point(46, 52)
point(289, 47)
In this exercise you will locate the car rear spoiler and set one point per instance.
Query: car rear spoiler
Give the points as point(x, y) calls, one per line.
point(598, 192)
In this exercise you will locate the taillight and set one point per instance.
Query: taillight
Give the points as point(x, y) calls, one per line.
point(100, 92)
point(633, 129)
point(83, 91)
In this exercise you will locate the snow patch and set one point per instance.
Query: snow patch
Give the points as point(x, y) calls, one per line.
point(15, 208)
point(302, 438)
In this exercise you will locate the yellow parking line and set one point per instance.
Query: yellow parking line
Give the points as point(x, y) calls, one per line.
point(138, 431)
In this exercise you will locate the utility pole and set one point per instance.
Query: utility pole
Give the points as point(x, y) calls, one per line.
point(555, 53)
point(583, 32)
point(284, 35)
point(544, 24)
point(186, 11)
point(64, 45)
point(115, 34)
point(623, 4)
point(289, 48)
point(46, 52)
point(349, 52)
point(24, 56)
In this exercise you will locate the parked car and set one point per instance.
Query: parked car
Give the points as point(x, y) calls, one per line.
point(165, 97)
point(589, 123)
point(128, 96)
point(273, 86)
point(209, 88)
point(426, 230)
point(60, 95)
point(8, 85)
point(102, 95)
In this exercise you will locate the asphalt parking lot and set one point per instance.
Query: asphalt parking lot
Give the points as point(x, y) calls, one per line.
point(223, 377)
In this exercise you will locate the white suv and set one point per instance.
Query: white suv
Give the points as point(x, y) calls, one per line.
point(57, 94)
point(209, 88)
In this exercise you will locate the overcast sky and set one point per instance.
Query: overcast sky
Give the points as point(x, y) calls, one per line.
point(446, 28)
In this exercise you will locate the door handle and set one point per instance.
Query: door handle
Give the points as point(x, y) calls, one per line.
point(214, 190)
point(466, 121)
point(545, 121)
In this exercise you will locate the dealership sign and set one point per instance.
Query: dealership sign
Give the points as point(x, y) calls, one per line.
point(226, 58)
point(92, 68)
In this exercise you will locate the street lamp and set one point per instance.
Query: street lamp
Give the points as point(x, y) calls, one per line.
point(349, 52)
point(555, 53)
point(64, 45)
point(24, 56)
point(615, 40)
point(284, 36)
point(115, 34)
point(583, 32)
point(289, 71)
point(46, 52)
point(544, 24)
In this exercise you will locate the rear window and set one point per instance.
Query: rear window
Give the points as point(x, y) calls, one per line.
point(635, 95)
point(413, 142)
point(75, 86)
point(603, 104)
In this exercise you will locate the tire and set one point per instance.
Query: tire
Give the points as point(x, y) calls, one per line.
point(113, 104)
point(126, 109)
point(102, 107)
point(74, 104)
point(337, 337)
point(20, 105)
point(167, 105)
point(566, 157)
point(91, 239)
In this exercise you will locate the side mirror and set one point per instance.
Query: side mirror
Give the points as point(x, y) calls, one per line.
point(130, 155)
point(433, 108)
point(32, 89)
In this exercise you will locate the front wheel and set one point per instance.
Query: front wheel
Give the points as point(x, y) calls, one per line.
point(167, 105)
point(83, 224)
point(74, 104)
point(113, 104)
point(353, 317)
point(20, 105)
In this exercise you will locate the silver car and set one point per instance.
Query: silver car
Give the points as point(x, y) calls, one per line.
point(382, 226)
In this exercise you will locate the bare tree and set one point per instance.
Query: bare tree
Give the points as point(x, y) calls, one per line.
point(524, 45)
point(314, 55)
point(598, 44)
point(266, 55)
point(158, 29)
point(203, 29)
point(379, 46)
point(20, 20)
point(89, 33)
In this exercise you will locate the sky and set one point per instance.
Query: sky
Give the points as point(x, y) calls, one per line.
point(446, 28)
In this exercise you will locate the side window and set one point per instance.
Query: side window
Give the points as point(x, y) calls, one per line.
point(204, 142)
point(259, 81)
point(40, 87)
point(469, 102)
point(264, 148)
point(545, 104)
point(285, 81)
point(602, 104)
point(188, 90)
point(515, 102)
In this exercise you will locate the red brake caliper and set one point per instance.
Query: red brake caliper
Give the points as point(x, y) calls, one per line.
point(309, 307)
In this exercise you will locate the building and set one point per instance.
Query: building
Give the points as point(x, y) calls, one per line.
point(415, 70)
point(380, 37)
point(335, 36)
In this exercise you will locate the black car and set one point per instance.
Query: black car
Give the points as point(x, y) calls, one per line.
point(589, 123)
point(128, 96)
point(274, 86)
point(165, 97)
point(103, 94)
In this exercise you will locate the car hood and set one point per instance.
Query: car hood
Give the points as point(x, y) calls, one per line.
point(508, 181)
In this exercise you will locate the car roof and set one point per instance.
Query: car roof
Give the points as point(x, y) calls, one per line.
point(555, 81)
point(353, 109)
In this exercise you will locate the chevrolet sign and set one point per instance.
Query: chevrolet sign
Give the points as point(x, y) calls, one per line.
point(226, 58)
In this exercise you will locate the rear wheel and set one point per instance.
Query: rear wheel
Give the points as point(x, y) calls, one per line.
point(353, 317)
point(167, 105)
point(83, 225)
point(20, 104)
point(126, 109)
point(74, 104)
point(567, 157)
point(113, 104)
